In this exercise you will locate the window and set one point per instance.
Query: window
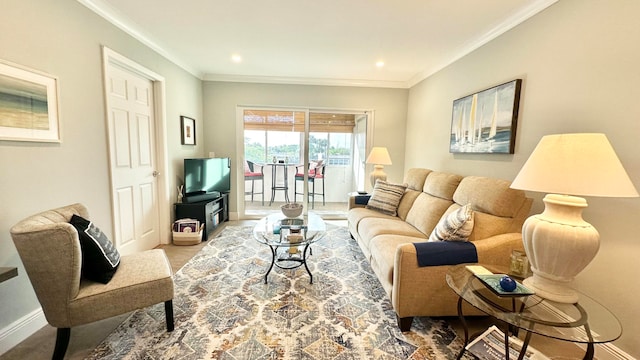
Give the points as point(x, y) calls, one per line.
point(270, 134)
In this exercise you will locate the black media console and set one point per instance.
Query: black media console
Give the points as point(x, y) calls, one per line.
point(211, 212)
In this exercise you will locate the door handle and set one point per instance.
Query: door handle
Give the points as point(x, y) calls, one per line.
point(155, 173)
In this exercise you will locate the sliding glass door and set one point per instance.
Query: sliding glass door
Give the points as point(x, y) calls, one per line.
point(282, 148)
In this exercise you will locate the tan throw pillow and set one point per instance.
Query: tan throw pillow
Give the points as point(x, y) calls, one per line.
point(456, 226)
point(386, 197)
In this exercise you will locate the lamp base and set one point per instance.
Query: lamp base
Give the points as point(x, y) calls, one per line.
point(559, 245)
point(376, 174)
point(554, 290)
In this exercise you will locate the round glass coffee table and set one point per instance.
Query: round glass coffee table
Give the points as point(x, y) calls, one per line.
point(585, 322)
point(289, 239)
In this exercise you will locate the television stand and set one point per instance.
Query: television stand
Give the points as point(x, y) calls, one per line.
point(201, 197)
point(210, 212)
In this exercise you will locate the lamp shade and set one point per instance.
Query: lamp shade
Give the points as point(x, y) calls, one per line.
point(575, 164)
point(559, 243)
point(379, 156)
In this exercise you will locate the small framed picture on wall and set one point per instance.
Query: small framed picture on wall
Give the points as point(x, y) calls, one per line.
point(188, 130)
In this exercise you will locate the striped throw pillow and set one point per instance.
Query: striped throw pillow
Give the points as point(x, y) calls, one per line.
point(456, 226)
point(386, 197)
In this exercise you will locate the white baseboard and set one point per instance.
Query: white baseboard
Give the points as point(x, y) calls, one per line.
point(21, 329)
point(609, 351)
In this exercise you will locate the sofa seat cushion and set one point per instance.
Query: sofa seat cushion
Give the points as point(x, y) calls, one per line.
point(355, 215)
point(383, 254)
point(372, 227)
point(153, 278)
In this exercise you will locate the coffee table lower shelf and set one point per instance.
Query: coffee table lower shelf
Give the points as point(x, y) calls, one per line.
point(288, 258)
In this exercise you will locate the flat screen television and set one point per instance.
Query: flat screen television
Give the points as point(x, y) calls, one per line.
point(207, 176)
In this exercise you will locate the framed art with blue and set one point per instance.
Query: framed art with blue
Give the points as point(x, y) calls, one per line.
point(28, 104)
point(485, 122)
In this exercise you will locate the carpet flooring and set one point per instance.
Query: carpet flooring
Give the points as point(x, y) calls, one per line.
point(224, 310)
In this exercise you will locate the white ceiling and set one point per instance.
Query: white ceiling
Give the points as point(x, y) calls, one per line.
point(328, 42)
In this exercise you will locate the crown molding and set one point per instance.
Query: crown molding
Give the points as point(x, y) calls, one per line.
point(305, 81)
point(120, 21)
point(516, 19)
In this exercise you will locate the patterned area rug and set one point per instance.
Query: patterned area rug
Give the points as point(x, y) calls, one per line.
point(224, 310)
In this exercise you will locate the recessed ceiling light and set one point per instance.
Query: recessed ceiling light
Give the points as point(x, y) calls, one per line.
point(380, 64)
point(236, 58)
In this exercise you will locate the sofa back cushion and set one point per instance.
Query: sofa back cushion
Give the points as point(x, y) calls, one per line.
point(414, 178)
point(406, 202)
point(431, 204)
point(442, 185)
point(498, 208)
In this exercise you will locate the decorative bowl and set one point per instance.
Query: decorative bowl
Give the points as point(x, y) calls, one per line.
point(291, 210)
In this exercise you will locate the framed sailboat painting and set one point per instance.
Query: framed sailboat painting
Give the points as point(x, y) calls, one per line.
point(485, 122)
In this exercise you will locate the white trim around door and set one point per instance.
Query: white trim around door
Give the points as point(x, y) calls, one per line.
point(112, 58)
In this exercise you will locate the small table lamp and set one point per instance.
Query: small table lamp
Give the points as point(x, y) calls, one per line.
point(379, 156)
point(558, 242)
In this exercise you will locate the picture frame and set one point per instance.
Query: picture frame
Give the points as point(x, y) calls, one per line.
point(28, 105)
point(188, 130)
point(485, 122)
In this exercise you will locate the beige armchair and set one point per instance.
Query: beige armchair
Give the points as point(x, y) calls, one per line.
point(50, 251)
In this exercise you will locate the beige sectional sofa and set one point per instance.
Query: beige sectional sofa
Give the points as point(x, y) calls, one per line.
point(386, 241)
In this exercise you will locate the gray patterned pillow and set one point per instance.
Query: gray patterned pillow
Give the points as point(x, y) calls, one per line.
point(456, 226)
point(386, 197)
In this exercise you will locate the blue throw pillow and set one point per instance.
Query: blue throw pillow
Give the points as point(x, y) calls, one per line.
point(100, 259)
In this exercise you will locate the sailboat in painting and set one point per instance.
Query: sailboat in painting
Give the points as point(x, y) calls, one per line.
point(471, 130)
point(480, 122)
point(494, 118)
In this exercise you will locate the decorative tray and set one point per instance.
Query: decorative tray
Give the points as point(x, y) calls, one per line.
point(492, 281)
point(292, 223)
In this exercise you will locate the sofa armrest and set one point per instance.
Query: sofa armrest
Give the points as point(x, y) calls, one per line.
point(496, 250)
point(424, 290)
point(358, 201)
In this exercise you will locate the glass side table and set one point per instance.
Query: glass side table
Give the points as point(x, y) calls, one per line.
point(285, 236)
point(585, 322)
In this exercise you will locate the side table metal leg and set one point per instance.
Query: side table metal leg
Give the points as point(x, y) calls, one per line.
point(523, 351)
point(590, 352)
point(464, 326)
point(273, 260)
point(304, 261)
point(506, 341)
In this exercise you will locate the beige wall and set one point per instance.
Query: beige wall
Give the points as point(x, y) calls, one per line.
point(221, 99)
point(64, 39)
point(580, 64)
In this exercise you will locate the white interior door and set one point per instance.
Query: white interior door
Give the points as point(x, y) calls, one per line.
point(133, 160)
point(360, 151)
